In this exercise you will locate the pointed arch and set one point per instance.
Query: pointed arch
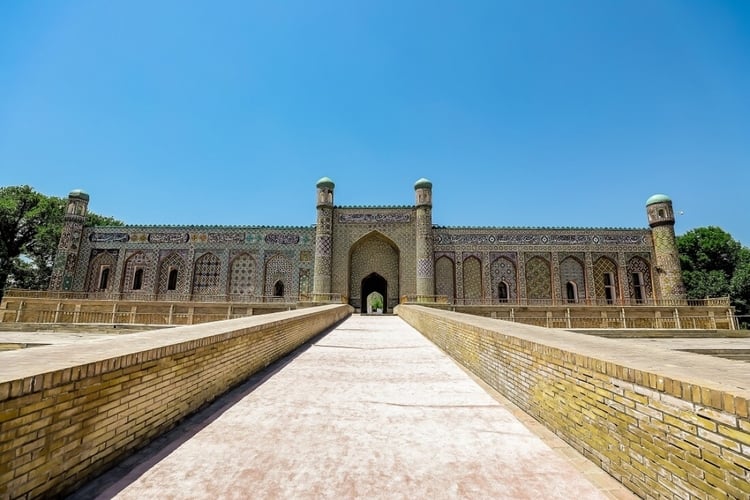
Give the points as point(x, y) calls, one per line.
point(278, 269)
point(101, 272)
point(606, 281)
point(503, 271)
point(445, 277)
point(472, 268)
point(172, 271)
point(207, 275)
point(639, 280)
point(538, 279)
point(138, 275)
point(573, 279)
point(376, 253)
point(243, 276)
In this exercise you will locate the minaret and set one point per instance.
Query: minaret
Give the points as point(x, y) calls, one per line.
point(667, 265)
point(425, 257)
point(323, 240)
point(66, 259)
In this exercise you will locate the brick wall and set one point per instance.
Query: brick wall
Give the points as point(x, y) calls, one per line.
point(67, 412)
point(666, 424)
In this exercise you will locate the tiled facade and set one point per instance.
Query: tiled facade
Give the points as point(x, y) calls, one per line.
point(396, 251)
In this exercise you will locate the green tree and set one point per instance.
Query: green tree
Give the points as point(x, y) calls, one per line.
point(30, 227)
point(715, 265)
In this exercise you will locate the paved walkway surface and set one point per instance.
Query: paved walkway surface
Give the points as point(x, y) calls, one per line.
point(370, 410)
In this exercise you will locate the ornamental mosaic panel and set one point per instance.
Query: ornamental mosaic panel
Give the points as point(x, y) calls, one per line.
point(242, 277)
point(144, 261)
point(529, 238)
point(279, 268)
point(374, 254)
point(445, 278)
point(173, 261)
point(604, 266)
point(640, 268)
point(206, 275)
point(571, 271)
point(538, 279)
point(472, 268)
point(503, 270)
point(102, 260)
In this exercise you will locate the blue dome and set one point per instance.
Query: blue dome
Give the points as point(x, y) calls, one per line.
point(423, 183)
point(657, 198)
point(325, 182)
point(79, 193)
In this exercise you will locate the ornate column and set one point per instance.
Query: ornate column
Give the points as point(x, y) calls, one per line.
point(667, 261)
point(323, 240)
point(424, 243)
point(66, 259)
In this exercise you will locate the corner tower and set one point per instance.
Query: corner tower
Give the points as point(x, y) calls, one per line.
point(69, 247)
point(424, 244)
point(323, 236)
point(668, 272)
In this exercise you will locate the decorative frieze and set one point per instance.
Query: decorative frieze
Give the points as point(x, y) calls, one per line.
point(538, 239)
point(374, 218)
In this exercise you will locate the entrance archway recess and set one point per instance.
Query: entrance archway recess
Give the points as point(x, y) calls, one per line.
point(373, 253)
point(374, 282)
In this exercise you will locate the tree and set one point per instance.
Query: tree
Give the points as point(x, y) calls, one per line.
point(30, 227)
point(715, 265)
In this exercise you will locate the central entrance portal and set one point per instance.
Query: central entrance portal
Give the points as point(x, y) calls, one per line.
point(374, 282)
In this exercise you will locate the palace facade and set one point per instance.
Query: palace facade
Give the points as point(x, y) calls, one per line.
point(352, 252)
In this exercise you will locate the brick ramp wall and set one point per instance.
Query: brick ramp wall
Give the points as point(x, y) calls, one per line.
point(666, 424)
point(68, 412)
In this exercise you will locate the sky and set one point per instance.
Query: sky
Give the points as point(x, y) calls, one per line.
point(521, 113)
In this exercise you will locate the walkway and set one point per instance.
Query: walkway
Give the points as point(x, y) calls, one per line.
point(370, 410)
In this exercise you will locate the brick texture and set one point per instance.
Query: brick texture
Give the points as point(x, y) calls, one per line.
point(662, 437)
point(60, 427)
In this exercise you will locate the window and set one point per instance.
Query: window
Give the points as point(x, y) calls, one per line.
point(138, 279)
point(638, 288)
point(571, 292)
point(502, 292)
point(609, 288)
point(103, 277)
point(172, 280)
point(278, 289)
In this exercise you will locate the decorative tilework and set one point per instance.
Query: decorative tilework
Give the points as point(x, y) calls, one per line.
point(445, 277)
point(279, 268)
point(571, 271)
point(206, 275)
point(173, 261)
point(139, 260)
point(101, 260)
point(242, 275)
point(640, 266)
point(602, 266)
point(472, 278)
point(503, 270)
point(538, 279)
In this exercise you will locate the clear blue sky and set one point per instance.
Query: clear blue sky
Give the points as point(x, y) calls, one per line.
point(522, 113)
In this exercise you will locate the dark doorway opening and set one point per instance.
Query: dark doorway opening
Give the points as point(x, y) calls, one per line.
point(374, 282)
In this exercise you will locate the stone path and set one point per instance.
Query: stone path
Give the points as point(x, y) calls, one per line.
point(370, 410)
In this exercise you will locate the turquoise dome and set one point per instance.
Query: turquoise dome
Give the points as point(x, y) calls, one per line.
point(79, 193)
point(657, 198)
point(423, 183)
point(325, 182)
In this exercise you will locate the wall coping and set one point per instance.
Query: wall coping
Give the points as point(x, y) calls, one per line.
point(619, 358)
point(30, 363)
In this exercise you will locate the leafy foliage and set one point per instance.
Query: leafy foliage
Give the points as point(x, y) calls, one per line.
point(30, 227)
point(715, 265)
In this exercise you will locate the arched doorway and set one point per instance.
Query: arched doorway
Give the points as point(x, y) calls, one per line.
point(374, 282)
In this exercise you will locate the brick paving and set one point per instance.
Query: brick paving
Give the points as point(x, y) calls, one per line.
point(370, 410)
